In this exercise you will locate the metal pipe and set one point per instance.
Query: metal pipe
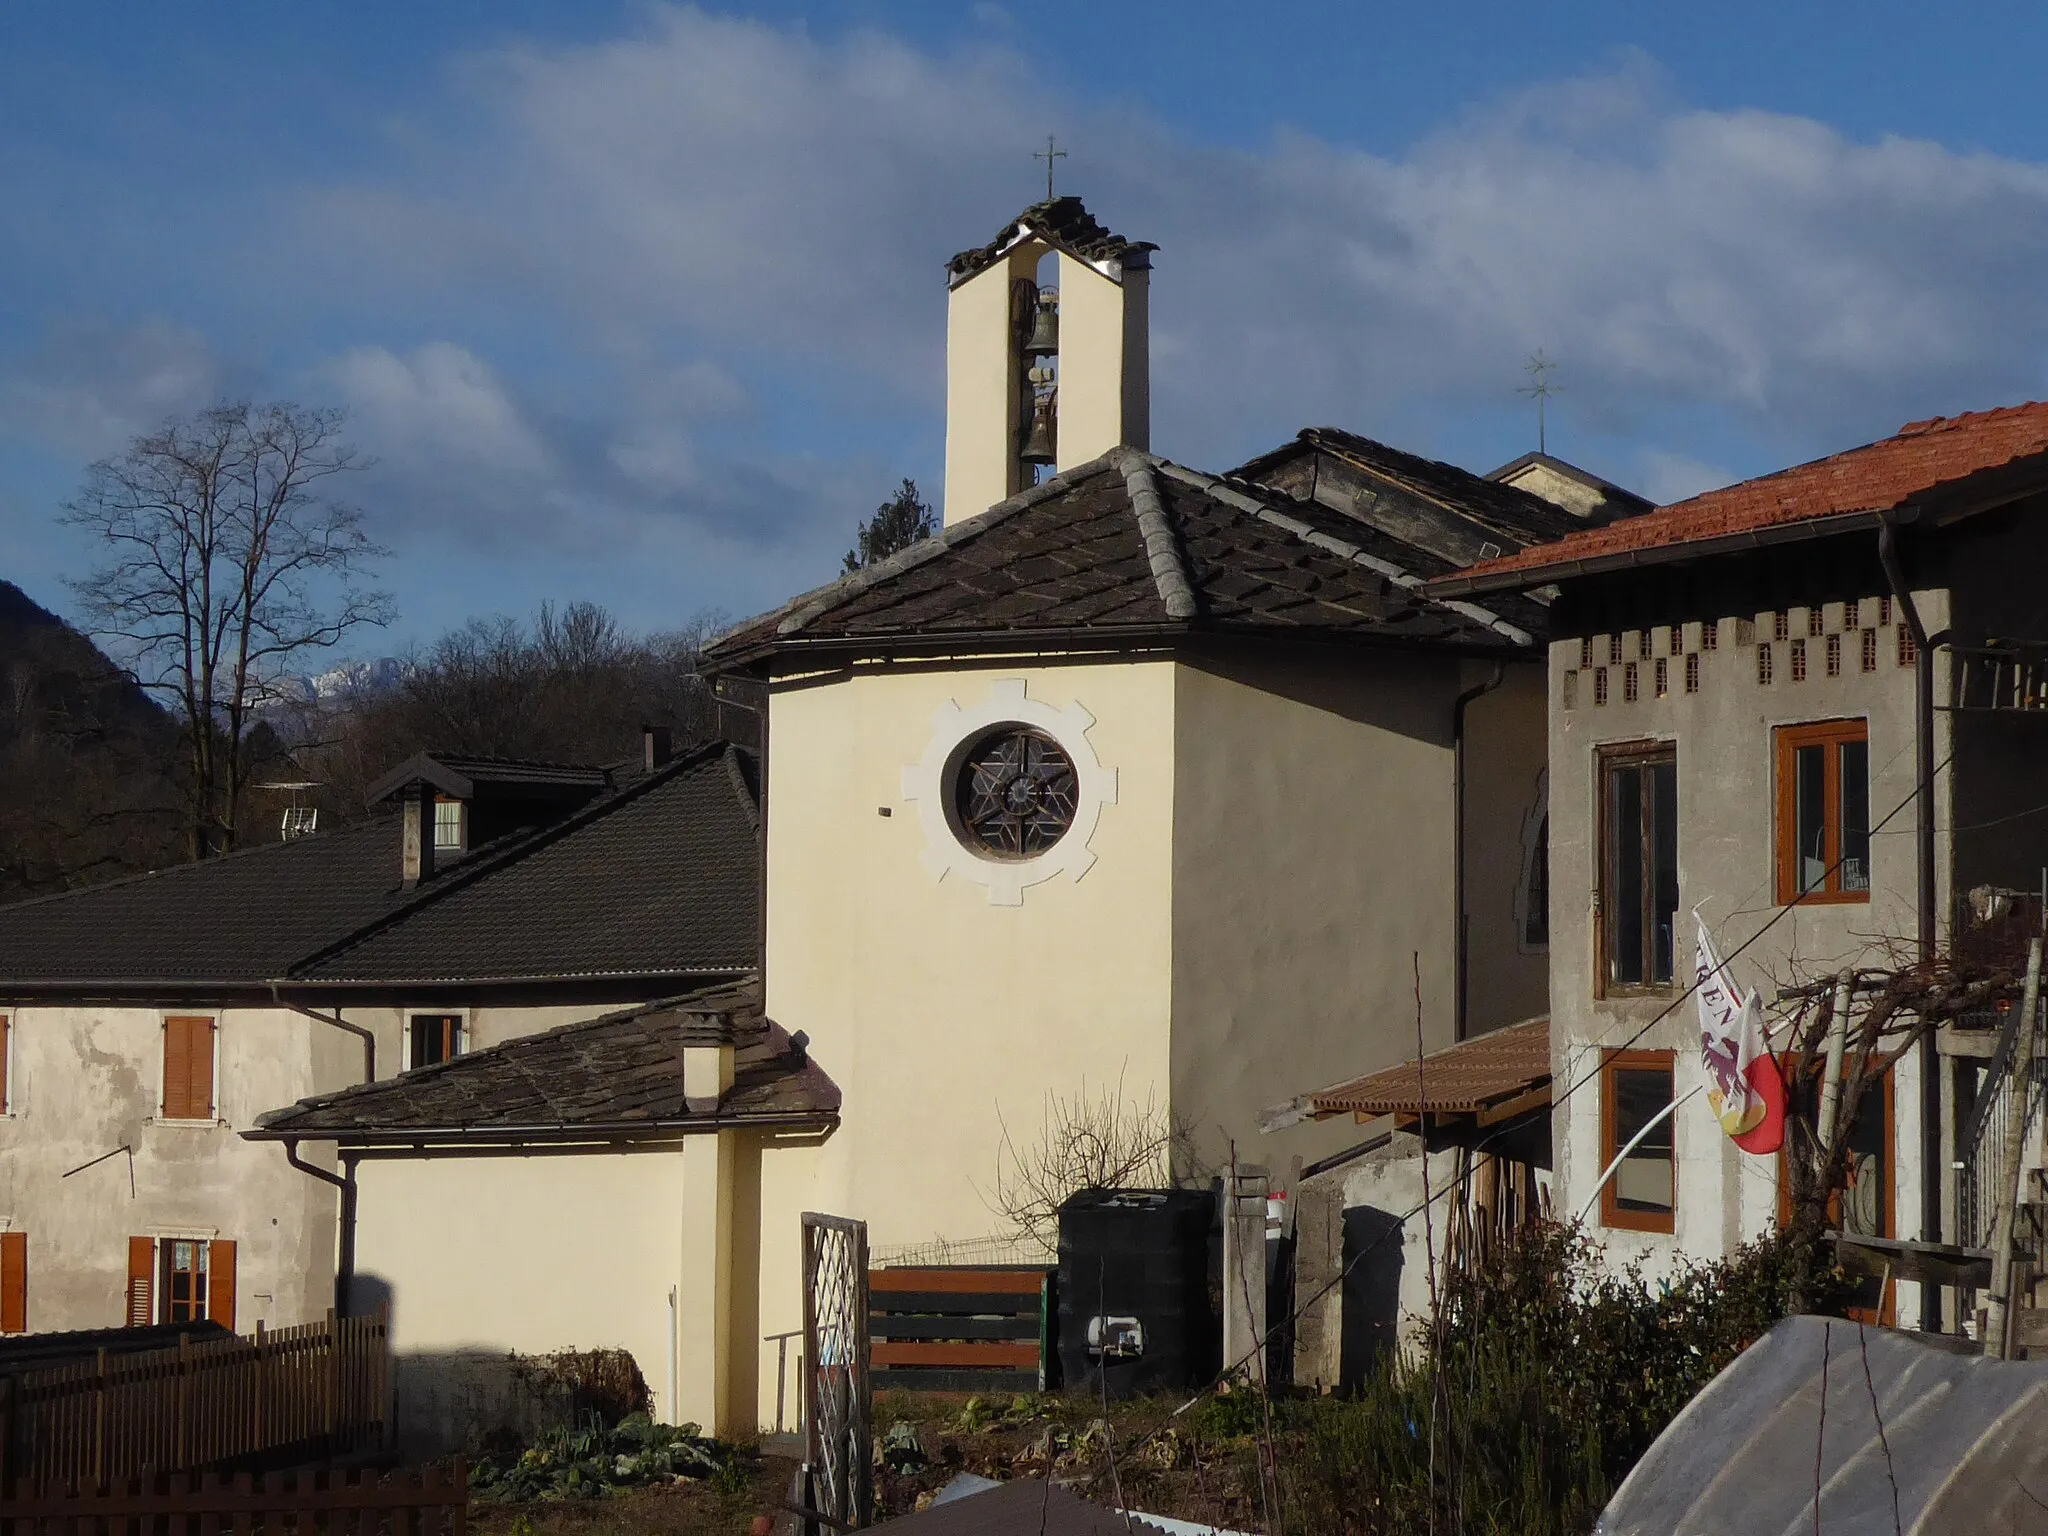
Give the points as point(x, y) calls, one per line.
point(1458, 708)
point(1637, 1140)
point(1831, 1073)
point(1998, 1304)
point(1928, 1059)
point(345, 1242)
point(337, 1021)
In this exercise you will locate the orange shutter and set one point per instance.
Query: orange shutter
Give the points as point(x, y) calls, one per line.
point(13, 1282)
point(199, 1093)
point(141, 1272)
point(220, 1283)
point(188, 1068)
point(177, 1067)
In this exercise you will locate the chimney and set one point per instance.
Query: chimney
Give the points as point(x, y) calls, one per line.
point(416, 837)
point(1074, 359)
point(657, 745)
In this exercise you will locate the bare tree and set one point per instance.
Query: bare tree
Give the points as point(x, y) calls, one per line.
point(229, 560)
point(574, 686)
point(1089, 1140)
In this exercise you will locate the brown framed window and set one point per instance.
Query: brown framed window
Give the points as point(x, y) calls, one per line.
point(1638, 866)
point(180, 1280)
point(1824, 812)
point(6, 1066)
point(188, 1067)
point(1635, 1088)
point(432, 1038)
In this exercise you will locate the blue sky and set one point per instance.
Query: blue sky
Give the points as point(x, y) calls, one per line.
point(644, 304)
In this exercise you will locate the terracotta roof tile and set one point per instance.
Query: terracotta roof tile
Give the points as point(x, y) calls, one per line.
point(1877, 477)
point(1467, 1077)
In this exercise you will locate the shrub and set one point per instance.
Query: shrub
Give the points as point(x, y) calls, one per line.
point(1547, 1378)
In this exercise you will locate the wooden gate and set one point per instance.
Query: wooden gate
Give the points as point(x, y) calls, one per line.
point(838, 1410)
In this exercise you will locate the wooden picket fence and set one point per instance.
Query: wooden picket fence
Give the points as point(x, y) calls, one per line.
point(313, 1391)
point(432, 1502)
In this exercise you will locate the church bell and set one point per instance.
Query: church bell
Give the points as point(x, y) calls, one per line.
point(1039, 445)
point(1045, 329)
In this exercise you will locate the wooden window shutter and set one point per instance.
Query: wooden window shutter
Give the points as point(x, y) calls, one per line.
point(13, 1282)
point(188, 1068)
point(220, 1283)
point(200, 1093)
point(141, 1278)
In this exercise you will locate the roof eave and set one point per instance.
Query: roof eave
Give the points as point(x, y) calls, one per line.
point(1523, 578)
point(1104, 638)
point(412, 1140)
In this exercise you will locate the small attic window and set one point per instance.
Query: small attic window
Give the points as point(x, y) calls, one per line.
point(448, 825)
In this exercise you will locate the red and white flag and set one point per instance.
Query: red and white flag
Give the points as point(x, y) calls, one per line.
point(1746, 1088)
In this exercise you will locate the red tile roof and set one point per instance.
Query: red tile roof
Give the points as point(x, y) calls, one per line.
point(1874, 478)
point(1470, 1077)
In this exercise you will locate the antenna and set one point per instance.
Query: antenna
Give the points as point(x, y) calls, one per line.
point(1540, 389)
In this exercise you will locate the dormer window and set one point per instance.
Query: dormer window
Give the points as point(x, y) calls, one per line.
point(448, 825)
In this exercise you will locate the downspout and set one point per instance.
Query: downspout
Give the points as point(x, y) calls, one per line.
point(1464, 701)
point(1931, 1163)
point(337, 1021)
point(345, 1245)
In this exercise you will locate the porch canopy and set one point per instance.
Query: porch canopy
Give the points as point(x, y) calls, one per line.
point(1493, 1088)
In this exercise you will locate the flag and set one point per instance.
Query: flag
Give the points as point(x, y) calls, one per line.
point(1746, 1088)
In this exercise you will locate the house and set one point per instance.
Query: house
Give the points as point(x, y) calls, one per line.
point(1143, 785)
point(148, 1022)
point(1794, 706)
point(598, 1183)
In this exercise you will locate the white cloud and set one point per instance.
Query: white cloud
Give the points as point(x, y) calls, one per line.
point(89, 387)
point(770, 193)
point(1667, 477)
point(441, 403)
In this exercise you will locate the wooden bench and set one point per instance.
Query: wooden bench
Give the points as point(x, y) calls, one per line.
point(958, 1330)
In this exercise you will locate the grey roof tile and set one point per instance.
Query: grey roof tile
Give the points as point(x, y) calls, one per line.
point(616, 1074)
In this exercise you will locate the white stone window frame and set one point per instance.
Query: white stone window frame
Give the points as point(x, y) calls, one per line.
point(431, 1010)
point(928, 784)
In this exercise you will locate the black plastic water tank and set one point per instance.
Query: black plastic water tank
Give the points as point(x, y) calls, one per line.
point(1136, 1312)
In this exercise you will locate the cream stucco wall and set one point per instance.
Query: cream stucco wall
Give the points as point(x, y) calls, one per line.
point(1312, 863)
point(1726, 852)
point(533, 1254)
point(944, 1018)
point(85, 1081)
point(982, 388)
point(1105, 379)
point(1507, 978)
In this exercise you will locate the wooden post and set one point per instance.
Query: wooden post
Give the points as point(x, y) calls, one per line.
point(184, 1396)
point(333, 1376)
point(256, 1372)
point(1998, 1304)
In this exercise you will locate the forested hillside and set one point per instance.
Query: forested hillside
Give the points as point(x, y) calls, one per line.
point(86, 759)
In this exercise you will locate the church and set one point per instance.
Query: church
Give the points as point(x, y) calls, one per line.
point(1138, 780)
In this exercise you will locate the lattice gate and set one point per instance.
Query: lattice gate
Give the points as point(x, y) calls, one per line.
point(838, 1401)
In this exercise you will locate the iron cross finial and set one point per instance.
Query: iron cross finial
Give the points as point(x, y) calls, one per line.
point(1541, 389)
point(1048, 155)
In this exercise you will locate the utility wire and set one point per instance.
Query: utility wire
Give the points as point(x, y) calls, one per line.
point(1458, 1182)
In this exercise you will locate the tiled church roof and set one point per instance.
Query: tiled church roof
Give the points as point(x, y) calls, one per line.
point(1132, 544)
point(1061, 223)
